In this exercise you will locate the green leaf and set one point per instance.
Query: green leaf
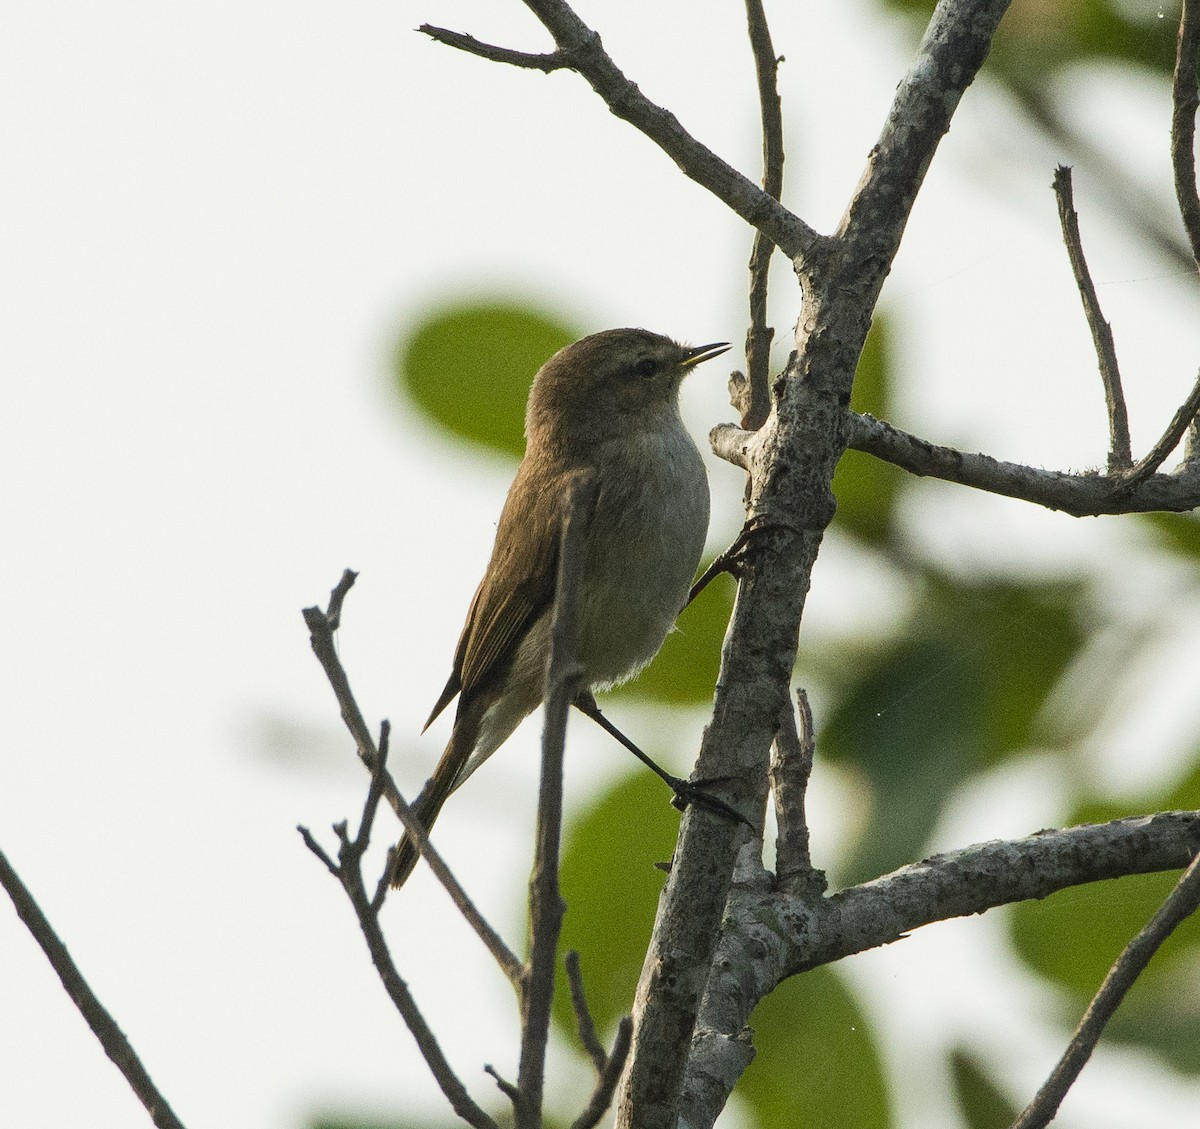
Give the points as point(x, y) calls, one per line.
point(469, 366)
point(866, 488)
point(982, 1103)
point(817, 1064)
point(685, 671)
point(611, 887)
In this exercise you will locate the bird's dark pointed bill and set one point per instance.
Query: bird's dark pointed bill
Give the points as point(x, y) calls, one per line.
point(702, 353)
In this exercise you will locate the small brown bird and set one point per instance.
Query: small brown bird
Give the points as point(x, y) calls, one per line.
point(609, 404)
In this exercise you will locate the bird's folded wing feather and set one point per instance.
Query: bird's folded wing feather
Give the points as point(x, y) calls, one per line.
point(514, 592)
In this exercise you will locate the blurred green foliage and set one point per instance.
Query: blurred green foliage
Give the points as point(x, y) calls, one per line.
point(817, 1063)
point(982, 1103)
point(1037, 38)
point(469, 366)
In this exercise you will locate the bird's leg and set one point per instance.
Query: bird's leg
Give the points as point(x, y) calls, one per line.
point(686, 792)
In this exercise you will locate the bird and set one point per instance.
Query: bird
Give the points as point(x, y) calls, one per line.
point(607, 404)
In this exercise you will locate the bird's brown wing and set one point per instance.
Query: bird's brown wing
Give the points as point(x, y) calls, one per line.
point(516, 590)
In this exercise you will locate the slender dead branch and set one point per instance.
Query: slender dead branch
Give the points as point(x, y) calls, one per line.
point(1119, 454)
point(1184, 102)
point(580, 49)
point(1171, 438)
point(583, 1017)
point(791, 766)
point(504, 1086)
point(551, 61)
point(321, 626)
point(1081, 495)
point(1181, 903)
point(348, 871)
point(98, 1018)
point(606, 1084)
point(546, 907)
point(759, 334)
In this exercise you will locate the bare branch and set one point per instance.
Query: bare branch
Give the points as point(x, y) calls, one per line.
point(546, 907)
point(1184, 101)
point(1119, 454)
point(770, 935)
point(1171, 438)
point(337, 598)
point(1181, 903)
point(988, 875)
point(311, 843)
point(791, 766)
point(553, 61)
point(589, 59)
point(733, 444)
point(348, 871)
point(1080, 495)
point(606, 1084)
point(956, 42)
point(583, 1016)
point(505, 1087)
point(321, 626)
point(98, 1018)
point(759, 335)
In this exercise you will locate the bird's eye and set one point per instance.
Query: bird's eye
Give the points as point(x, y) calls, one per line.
point(646, 367)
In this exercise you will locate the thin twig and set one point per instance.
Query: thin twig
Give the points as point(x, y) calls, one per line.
point(338, 596)
point(1119, 454)
point(623, 97)
point(583, 1016)
point(606, 1084)
point(759, 334)
point(791, 766)
point(504, 1086)
point(1176, 429)
point(311, 843)
point(98, 1018)
point(1181, 903)
point(546, 906)
point(321, 627)
point(348, 871)
point(1086, 494)
point(449, 1083)
point(551, 61)
point(1184, 102)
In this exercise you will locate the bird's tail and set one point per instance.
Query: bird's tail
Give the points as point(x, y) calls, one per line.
point(429, 803)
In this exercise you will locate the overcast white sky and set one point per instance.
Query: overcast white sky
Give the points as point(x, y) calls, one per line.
point(217, 221)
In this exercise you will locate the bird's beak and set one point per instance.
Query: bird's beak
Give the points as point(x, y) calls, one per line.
point(696, 356)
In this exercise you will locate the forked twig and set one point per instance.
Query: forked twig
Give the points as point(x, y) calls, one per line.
point(606, 1084)
point(1171, 438)
point(588, 1038)
point(321, 626)
point(608, 1066)
point(1181, 903)
point(348, 871)
point(580, 47)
